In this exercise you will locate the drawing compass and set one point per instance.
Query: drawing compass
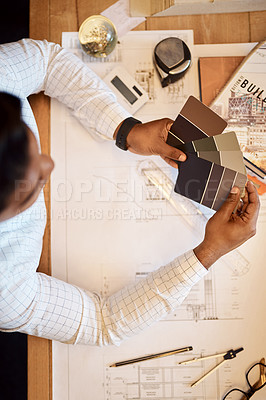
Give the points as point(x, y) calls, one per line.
point(172, 59)
point(225, 357)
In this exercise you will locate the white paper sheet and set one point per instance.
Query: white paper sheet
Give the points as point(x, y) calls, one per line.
point(135, 53)
point(118, 13)
point(97, 196)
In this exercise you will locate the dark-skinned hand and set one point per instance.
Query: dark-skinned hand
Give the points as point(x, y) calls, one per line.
point(226, 230)
point(150, 139)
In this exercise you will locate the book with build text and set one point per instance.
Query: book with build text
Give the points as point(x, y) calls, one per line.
point(242, 103)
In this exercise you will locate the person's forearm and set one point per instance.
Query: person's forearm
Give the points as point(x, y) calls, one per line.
point(141, 304)
point(33, 66)
point(63, 312)
point(74, 84)
point(206, 255)
point(230, 227)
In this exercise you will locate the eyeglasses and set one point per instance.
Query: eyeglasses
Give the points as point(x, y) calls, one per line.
point(256, 379)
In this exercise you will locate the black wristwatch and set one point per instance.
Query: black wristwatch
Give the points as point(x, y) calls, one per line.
point(123, 131)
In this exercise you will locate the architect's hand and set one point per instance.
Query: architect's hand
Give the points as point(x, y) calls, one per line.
point(226, 231)
point(150, 139)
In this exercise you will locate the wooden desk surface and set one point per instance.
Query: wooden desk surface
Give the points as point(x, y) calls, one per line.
point(48, 19)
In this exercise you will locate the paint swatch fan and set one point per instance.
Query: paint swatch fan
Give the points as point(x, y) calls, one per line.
point(214, 160)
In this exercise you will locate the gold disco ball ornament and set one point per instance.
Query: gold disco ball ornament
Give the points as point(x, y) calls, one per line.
point(97, 36)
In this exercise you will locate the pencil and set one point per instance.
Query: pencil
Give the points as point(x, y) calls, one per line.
point(152, 356)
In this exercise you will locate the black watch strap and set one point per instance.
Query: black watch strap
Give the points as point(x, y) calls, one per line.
point(123, 131)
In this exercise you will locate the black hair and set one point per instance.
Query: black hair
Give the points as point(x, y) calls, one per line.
point(14, 146)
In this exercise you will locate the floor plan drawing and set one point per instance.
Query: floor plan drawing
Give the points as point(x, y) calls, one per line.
point(205, 302)
point(114, 221)
point(162, 380)
point(144, 75)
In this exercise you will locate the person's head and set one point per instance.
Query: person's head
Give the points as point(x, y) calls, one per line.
point(23, 170)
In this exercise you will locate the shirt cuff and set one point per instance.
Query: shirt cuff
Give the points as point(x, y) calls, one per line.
point(192, 267)
point(115, 114)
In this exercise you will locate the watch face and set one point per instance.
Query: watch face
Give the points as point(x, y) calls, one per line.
point(169, 53)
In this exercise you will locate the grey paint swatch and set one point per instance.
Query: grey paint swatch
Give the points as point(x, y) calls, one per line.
point(214, 161)
point(223, 142)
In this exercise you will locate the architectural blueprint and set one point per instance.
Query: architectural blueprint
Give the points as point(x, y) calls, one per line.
point(164, 379)
point(99, 197)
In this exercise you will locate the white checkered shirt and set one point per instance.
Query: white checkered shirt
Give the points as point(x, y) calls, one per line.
point(41, 305)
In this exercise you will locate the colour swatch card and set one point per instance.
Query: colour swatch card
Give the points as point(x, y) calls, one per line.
point(222, 149)
point(214, 160)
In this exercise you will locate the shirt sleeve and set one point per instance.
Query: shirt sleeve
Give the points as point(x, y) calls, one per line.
point(31, 66)
point(57, 310)
point(44, 306)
